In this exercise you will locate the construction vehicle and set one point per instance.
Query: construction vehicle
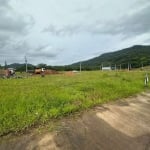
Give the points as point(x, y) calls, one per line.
point(39, 70)
point(7, 73)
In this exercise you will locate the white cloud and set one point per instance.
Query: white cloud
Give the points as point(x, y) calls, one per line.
point(70, 30)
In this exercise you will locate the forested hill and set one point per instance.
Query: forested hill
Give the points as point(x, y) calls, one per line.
point(136, 56)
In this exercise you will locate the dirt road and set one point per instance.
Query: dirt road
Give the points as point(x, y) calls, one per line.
point(122, 125)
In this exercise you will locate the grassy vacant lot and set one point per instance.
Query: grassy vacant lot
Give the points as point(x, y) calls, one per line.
point(35, 100)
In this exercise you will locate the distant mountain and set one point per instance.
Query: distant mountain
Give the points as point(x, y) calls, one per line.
point(136, 56)
point(15, 65)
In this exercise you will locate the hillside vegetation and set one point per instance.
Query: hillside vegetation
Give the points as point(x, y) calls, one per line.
point(136, 56)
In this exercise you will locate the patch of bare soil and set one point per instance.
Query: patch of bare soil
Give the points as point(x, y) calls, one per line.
point(122, 125)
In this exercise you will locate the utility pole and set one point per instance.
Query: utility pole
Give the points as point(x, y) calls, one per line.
point(5, 64)
point(80, 67)
point(120, 66)
point(115, 67)
point(128, 66)
point(26, 62)
point(142, 66)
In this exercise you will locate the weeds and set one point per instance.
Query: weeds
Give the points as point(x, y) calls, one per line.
point(35, 100)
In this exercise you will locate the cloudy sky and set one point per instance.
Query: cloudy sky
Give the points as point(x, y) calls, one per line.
point(59, 32)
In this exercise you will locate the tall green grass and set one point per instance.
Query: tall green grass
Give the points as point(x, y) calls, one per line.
point(35, 100)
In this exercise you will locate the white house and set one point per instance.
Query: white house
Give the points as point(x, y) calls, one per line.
point(106, 68)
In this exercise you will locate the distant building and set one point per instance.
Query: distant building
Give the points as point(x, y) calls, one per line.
point(75, 71)
point(106, 68)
